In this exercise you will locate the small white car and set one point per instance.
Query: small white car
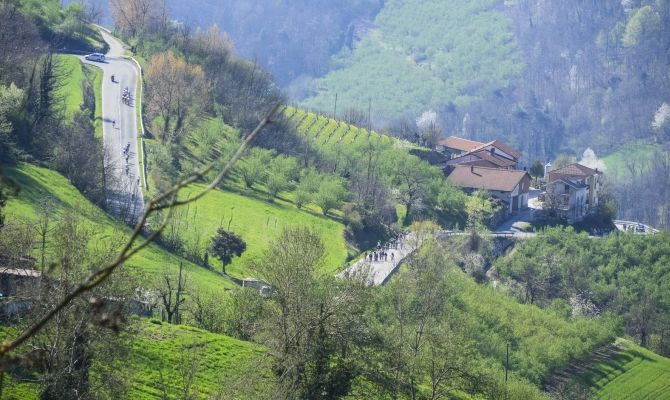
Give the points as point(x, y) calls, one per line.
point(96, 57)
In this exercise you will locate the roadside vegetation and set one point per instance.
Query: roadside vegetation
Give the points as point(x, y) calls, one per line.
point(71, 88)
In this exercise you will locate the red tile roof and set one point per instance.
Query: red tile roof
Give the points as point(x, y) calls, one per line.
point(501, 146)
point(454, 142)
point(507, 149)
point(483, 158)
point(503, 180)
point(574, 169)
point(497, 159)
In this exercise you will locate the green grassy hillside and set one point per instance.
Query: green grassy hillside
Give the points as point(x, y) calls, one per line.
point(94, 76)
point(632, 372)
point(71, 89)
point(161, 352)
point(40, 183)
point(161, 356)
point(640, 152)
point(251, 213)
point(258, 221)
point(422, 54)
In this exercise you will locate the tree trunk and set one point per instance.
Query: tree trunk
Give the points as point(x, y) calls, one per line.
point(408, 207)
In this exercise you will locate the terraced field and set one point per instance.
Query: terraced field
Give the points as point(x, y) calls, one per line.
point(327, 132)
point(633, 373)
point(622, 370)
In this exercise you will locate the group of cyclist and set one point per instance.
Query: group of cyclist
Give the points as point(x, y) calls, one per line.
point(126, 97)
point(126, 156)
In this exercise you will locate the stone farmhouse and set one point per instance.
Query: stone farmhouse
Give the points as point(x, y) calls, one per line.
point(572, 191)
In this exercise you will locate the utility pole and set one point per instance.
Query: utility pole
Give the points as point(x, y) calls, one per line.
point(369, 113)
point(506, 368)
point(180, 289)
point(335, 110)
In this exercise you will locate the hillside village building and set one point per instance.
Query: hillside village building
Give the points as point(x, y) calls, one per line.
point(572, 191)
point(493, 154)
point(491, 166)
point(511, 187)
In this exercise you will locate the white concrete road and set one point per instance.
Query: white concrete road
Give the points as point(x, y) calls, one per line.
point(378, 272)
point(119, 122)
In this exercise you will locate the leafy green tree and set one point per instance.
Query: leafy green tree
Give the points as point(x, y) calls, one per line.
point(452, 203)
point(78, 155)
point(301, 198)
point(277, 182)
point(310, 181)
point(74, 21)
point(10, 100)
point(643, 25)
point(225, 246)
point(313, 326)
point(330, 195)
point(478, 208)
point(282, 174)
point(412, 178)
point(253, 167)
point(536, 170)
point(288, 166)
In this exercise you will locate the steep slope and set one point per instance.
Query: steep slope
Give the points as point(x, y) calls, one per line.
point(161, 353)
point(622, 370)
point(326, 132)
point(258, 222)
point(421, 55)
point(167, 361)
point(39, 184)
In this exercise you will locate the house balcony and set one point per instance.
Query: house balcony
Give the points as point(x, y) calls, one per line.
point(563, 202)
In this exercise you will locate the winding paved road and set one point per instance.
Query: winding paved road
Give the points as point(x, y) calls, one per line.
point(122, 177)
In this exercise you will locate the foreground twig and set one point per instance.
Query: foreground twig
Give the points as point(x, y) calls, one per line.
point(129, 249)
